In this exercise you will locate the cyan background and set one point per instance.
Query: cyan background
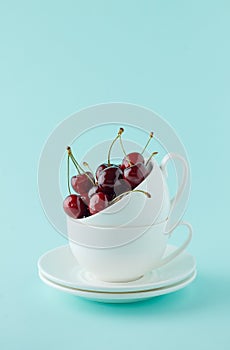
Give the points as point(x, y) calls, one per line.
point(60, 56)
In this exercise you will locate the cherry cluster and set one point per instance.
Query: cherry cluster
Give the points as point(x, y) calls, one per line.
point(110, 183)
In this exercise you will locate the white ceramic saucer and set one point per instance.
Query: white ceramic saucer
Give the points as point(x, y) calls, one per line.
point(120, 297)
point(61, 267)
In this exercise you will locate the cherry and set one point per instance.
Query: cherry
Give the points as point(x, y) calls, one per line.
point(114, 182)
point(82, 183)
point(108, 177)
point(121, 186)
point(93, 190)
point(135, 174)
point(98, 202)
point(110, 195)
point(85, 198)
point(121, 166)
point(96, 189)
point(74, 206)
point(132, 159)
point(102, 167)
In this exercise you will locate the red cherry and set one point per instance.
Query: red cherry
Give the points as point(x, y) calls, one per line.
point(121, 186)
point(110, 195)
point(108, 177)
point(135, 174)
point(74, 206)
point(132, 159)
point(85, 198)
point(122, 167)
point(96, 189)
point(100, 168)
point(98, 202)
point(103, 167)
point(82, 183)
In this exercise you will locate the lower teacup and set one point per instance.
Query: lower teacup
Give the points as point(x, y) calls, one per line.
point(121, 254)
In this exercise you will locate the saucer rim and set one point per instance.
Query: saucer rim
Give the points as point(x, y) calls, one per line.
point(114, 287)
point(193, 273)
point(120, 297)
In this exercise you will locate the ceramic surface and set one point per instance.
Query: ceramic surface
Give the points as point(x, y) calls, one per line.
point(59, 266)
point(119, 297)
point(121, 255)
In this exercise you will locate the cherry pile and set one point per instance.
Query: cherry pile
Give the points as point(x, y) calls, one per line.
point(110, 183)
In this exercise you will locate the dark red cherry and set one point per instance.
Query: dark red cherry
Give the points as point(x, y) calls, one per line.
point(98, 202)
point(135, 174)
point(121, 186)
point(74, 206)
point(122, 167)
point(103, 167)
point(93, 190)
point(110, 195)
point(82, 183)
point(132, 159)
point(85, 198)
point(96, 189)
point(100, 168)
point(108, 177)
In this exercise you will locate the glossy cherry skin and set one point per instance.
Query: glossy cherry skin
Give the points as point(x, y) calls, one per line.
point(102, 167)
point(122, 167)
point(121, 186)
point(98, 202)
point(93, 190)
point(74, 206)
point(82, 183)
point(85, 198)
point(135, 174)
point(108, 177)
point(96, 189)
point(132, 159)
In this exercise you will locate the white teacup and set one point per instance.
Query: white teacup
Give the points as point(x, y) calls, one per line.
point(135, 208)
point(121, 254)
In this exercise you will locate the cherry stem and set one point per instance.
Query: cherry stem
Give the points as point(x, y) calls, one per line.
point(147, 194)
point(70, 154)
point(87, 166)
point(121, 130)
point(77, 165)
point(68, 174)
point(152, 155)
point(122, 147)
point(150, 137)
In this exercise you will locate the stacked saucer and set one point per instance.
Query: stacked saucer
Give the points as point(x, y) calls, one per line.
point(59, 269)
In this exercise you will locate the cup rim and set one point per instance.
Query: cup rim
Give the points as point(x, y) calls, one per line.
point(116, 246)
point(123, 227)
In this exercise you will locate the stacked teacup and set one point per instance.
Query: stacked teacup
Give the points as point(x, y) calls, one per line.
point(129, 238)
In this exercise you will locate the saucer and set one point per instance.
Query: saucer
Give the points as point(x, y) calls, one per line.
point(120, 297)
point(59, 266)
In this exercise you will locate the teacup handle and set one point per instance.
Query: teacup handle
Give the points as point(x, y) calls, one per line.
point(179, 250)
point(185, 174)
